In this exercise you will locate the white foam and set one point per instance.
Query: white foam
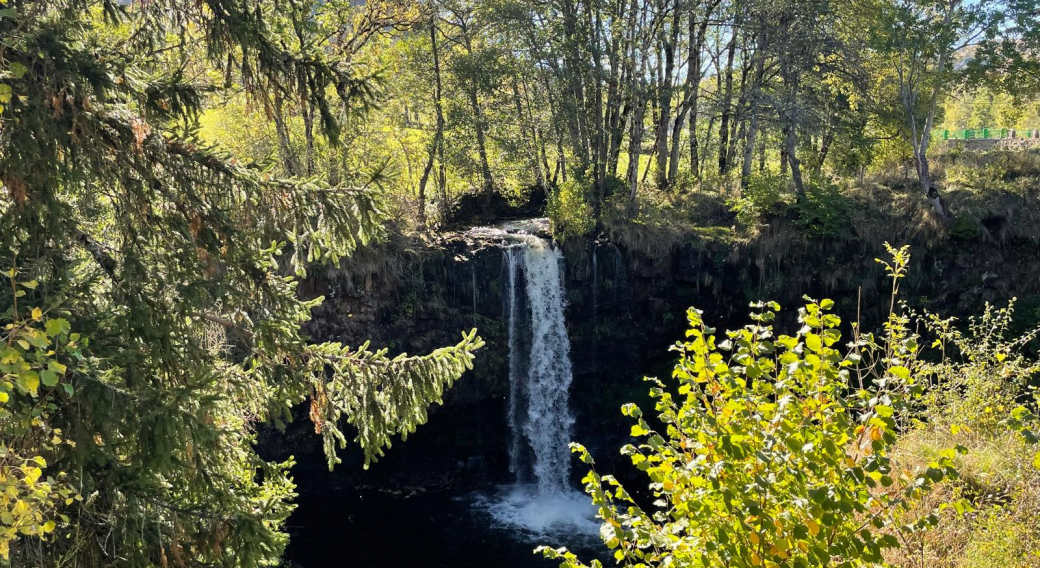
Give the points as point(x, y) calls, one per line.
point(525, 508)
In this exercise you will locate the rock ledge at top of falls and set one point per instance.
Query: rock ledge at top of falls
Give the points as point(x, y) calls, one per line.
point(466, 243)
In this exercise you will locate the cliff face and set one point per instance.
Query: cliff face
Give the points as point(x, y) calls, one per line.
point(625, 308)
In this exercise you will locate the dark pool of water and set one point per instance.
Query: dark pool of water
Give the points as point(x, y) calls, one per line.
point(434, 529)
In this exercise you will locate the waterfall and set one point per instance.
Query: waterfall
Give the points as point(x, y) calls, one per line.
point(473, 284)
point(595, 283)
point(517, 363)
point(542, 420)
point(619, 272)
point(540, 374)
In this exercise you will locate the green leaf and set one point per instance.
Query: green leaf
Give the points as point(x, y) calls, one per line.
point(49, 378)
point(56, 326)
point(813, 342)
point(28, 381)
point(36, 337)
point(883, 411)
point(17, 69)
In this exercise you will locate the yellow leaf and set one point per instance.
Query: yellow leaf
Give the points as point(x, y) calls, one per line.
point(48, 526)
point(20, 508)
point(813, 526)
point(32, 474)
point(37, 314)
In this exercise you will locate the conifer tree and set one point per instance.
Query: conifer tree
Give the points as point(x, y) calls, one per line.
point(179, 265)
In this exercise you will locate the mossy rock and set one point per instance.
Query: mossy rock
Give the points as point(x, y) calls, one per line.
point(965, 228)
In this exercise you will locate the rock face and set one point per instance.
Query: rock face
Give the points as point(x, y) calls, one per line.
point(624, 309)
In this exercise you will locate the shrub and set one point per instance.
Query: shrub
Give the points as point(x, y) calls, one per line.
point(659, 222)
point(979, 402)
point(773, 449)
point(983, 373)
point(762, 194)
point(31, 348)
point(823, 212)
point(569, 210)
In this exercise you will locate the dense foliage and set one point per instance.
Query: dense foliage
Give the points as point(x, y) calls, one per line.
point(177, 267)
point(637, 98)
point(171, 171)
point(780, 450)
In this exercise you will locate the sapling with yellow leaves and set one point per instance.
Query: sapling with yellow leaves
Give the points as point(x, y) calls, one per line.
point(766, 450)
point(32, 374)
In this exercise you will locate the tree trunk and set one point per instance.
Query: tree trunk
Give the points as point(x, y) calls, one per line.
point(762, 152)
point(727, 103)
point(695, 165)
point(791, 143)
point(921, 139)
point(577, 117)
point(668, 41)
point(697, 35)
point(438, 95)
point(637, 59)
point(635, 141)
point(436, 146)
point(308, 133)
point(598, 127)
point(825, 146)
point(527, 137)
point(749, 141)
point(480, 126)
point(284, 145)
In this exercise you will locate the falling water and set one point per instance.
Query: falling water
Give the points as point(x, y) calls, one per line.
point(517, 362)
point(619, 272)
point(539, 414)
point(473, 283)
point(545, 426)
point(595, 308)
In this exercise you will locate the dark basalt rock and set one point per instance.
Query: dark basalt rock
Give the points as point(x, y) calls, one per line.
point(622, 316)
point(481, 208)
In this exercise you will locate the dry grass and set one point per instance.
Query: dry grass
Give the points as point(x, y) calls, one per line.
point(660, 221)
point(998, 479)
point(993, 197)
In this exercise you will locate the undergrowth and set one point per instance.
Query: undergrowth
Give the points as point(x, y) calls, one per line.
point(994, 198)
point(979, 385)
